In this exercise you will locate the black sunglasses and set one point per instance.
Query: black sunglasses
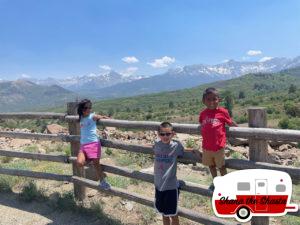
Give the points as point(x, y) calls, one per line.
point(165, 134)
point(87, 107)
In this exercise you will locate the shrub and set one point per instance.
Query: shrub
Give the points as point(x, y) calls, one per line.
point(108, 151)
point(30, 192)
point(66, 202)
point(291, 109)
point(191, 143)
point(5, 185)
point(241, 94)
point(292, 88)
point(289, 123)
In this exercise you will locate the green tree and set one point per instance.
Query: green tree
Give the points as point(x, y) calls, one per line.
point(229, 101)
point(171, 104)
point(292, 88)
point(111, 111)
point(292, 109)
point(241, 94)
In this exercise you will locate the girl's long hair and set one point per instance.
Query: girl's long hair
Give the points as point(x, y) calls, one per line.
point(83, 103)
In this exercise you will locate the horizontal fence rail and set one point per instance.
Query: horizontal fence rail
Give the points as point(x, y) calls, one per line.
point(189, 156)
point(33, 115)
point(34, 174)
point(238, 132)
point(257, 135)
point(122, 171)
point(189, 214)
point(147, 177)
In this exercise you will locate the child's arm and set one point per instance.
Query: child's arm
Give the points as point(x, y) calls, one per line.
point(228, 120)
point(99, 117)
point(233, 124)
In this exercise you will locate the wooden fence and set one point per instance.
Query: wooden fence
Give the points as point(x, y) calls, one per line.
point(257, 134)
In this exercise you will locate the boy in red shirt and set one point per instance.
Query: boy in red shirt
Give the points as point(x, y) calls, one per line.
point(213, 120)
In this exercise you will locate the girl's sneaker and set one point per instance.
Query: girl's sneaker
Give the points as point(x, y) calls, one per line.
point(104, 185)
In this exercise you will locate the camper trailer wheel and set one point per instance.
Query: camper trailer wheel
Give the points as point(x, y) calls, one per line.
point(243, 213)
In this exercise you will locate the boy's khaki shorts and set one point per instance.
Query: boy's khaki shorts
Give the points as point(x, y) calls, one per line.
point(213, 158)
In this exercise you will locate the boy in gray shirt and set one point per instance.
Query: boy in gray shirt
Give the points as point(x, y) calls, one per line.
point(166, 152)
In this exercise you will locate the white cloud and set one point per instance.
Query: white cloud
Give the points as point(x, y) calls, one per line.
point(25, 76)
point(129, 71)
point(130, 59)
point(162, 62)
point(266, 58)
point(254, 52)
point(105, 67)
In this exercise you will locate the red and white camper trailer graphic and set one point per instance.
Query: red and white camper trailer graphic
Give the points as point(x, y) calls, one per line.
point(255, 192)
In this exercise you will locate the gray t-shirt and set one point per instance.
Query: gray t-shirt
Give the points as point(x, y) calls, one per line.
point(165, 164)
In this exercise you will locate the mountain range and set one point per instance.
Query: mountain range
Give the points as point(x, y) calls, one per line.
point(189, 76)
point(24, 94)
point(112, 84)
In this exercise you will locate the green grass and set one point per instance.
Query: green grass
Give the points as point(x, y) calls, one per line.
point(5, 184)
point(190, 200)
point(31, 148)
point(108, 151)
point(118, 181)
point(5, 159)
point(66, 201)
point(296, 193)
point(148, 214)
point(237, 155)
point(8, 182)
point(134, 160)
point(59, 147)
point(191, 143)
point(290, 220)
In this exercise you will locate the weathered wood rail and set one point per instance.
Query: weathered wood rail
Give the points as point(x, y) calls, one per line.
point(256, 133)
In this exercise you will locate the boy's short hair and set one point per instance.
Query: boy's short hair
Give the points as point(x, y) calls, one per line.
point(210, 90)
point(165, 125)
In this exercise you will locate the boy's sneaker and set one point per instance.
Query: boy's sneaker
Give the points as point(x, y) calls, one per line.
point(104, 185)
point(211, 187)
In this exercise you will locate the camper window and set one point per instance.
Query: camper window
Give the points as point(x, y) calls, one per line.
point(280, 188)
point(243, 186)
point(261, 184)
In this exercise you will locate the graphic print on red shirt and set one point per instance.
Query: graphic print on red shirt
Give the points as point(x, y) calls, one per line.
point(213, 128)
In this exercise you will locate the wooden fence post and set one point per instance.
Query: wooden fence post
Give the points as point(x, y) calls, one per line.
point(74, 129)
point(258, 148)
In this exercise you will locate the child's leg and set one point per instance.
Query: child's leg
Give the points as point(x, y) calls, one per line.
point(166, 220)
point(99, 172)
point(80, 159)
point(223, 171)
point(220, 161)
point(213, 171)
point(174, 220)
point(208, 160)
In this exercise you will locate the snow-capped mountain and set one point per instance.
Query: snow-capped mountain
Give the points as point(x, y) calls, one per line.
point(191, 75)
point(112, 84)
point(231, 68)
point(194, 75)
point(88, 82)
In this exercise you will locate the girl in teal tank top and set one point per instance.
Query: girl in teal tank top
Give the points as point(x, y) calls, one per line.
point(90, 146)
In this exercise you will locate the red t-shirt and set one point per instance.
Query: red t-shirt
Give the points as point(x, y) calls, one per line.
point(213, 128)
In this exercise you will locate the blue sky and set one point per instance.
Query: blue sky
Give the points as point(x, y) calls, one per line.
point(51, 38)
